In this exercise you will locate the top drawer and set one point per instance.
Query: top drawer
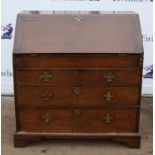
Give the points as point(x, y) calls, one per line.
point(77, 61)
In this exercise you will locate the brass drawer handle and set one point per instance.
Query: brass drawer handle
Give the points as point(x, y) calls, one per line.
point(46, 76)
point(108, 96)
point(77, 112)
point(77, 91)
point(46, 95)
point(107, 118)
point(46, 118)
point(110, 77)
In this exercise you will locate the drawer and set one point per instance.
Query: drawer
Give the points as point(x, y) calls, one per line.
point(76, 61)
point(45, 96)
point(108, 77)
point(78, 120)
point(46, 77)
point(106, 120)
point(82, 77)
point(77, 96)
point(53, 120)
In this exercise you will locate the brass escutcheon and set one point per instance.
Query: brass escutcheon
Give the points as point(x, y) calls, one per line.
point(110, 77)
point(78, 18)
point(46, 76)
point(108, 96)
point(77, 91)
point(46, 95)
point(46, 117)
point(77, 112)
point(107, 118)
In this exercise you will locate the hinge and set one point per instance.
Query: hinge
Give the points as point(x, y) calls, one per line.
point(141, 61)
point(15, 61)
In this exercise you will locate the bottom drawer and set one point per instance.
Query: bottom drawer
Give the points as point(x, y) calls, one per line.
point(78, 120)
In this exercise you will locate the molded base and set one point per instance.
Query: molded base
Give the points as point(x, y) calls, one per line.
point(21, 139)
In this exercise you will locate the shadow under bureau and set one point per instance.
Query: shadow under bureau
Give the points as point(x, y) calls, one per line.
point(77, 75)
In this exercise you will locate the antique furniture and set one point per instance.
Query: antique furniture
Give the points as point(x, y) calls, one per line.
point(77, 75)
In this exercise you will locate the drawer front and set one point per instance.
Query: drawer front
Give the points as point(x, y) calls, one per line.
point(78, 61)
point(82, 77)
point(45, 120)
point(45, 96)
point(110, 77)
point(108, 96)
point(106, 120)
point(77, 96)
point(78, 120)
point(46, 77)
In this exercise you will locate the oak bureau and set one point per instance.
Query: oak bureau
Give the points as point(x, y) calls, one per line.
point(77, 75)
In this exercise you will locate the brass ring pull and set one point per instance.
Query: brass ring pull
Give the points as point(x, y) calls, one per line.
point(46, 118)
point(77, 112)
point(107, 118)
point(77, 91)
point(110, 77)
point(46, 95)
point(108, 96)
point(46, 76)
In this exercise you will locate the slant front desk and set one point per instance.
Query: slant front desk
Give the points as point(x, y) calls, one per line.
point(77, 76)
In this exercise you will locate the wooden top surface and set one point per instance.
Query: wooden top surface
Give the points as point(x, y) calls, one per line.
point(78, 32)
